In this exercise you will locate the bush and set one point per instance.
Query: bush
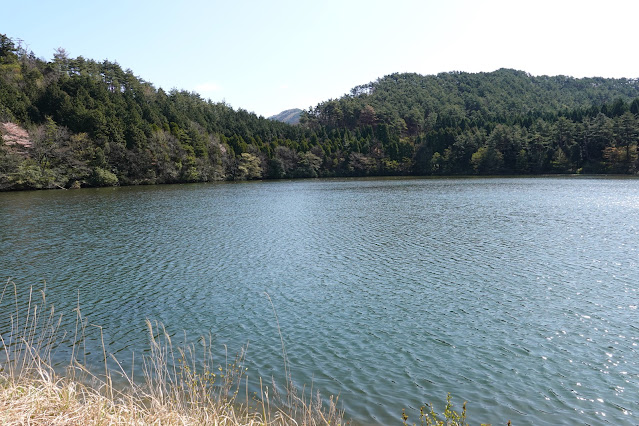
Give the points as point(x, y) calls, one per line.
point(102, 177)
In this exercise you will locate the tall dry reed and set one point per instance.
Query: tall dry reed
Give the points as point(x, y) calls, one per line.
point(179, 385)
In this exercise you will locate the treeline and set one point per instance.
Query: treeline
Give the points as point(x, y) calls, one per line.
point(72, 122)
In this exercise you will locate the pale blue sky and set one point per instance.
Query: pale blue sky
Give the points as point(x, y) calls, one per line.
point(268, 56)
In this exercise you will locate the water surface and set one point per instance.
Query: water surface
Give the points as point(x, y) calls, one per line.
point(516, 295)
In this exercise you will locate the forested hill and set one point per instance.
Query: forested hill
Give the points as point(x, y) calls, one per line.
point(502, 122)
point(71, 122)
point(464, 99)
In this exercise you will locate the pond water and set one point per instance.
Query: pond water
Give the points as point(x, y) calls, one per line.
point(517, 295)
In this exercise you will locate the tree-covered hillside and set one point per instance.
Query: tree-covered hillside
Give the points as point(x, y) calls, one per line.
point(487, 123)
point(471, 99)
point(71, 122)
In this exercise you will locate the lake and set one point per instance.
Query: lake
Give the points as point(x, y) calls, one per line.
point(518, 295)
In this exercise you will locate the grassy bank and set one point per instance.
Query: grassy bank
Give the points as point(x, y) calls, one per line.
point(180, 385)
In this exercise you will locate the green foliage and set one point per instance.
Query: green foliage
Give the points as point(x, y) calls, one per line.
point(461, 100)
point(428, 416)
point(249, 167)
point(487, 160)
point(29, 175)
point(308, 165)
point(7, 50)
point(94, 123)
point(102, 177)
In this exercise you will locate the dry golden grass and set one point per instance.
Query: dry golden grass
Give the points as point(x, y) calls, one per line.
point(179, 387)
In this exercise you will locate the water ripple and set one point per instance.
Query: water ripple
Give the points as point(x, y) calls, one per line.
point(516, 295)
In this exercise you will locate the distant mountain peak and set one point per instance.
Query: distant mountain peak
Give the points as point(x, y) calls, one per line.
point(290, 116)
